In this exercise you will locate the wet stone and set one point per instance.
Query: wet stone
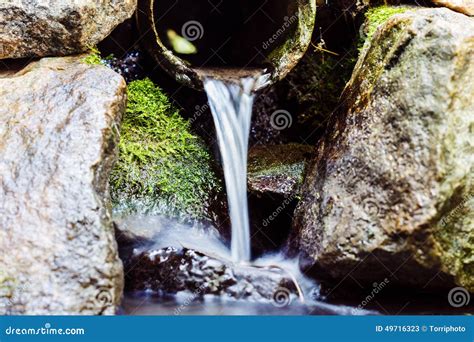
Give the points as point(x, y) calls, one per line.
point(172, 270)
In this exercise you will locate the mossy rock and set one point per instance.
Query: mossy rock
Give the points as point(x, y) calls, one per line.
point(392, 182)
point(312, 90)
point(163, 168)
point(278, 169)
point(376, 17)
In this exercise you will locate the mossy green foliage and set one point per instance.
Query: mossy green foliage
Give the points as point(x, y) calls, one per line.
point(94, 57)
point(162, 166)
point(377, 16)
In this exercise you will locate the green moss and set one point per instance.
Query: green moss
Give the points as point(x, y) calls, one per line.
point(162, 166)
point(7, 284)
point(94, 57)
point(377, 16)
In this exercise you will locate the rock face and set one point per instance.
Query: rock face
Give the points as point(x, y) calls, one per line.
point(390, 192)
point(59, 124)
point(36, 29)
point(172, 270)
point(277, 169)
point(462, 6)
point(275, 176)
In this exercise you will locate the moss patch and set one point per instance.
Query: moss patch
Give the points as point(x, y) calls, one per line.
point(162, 167)
point(377, 16)
point(94, 57)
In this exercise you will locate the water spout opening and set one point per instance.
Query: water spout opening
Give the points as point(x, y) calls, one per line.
point(226, 33)
point(188, 36)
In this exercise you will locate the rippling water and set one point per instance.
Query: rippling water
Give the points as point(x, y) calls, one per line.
point(163, 233)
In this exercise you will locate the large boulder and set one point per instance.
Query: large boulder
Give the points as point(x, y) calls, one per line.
point(59, 121)
point(462, 6)
point(390, 191)
point(354, 7)
point(35, 28)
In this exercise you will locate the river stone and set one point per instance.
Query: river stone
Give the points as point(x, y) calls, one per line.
point(462, 6)
point(277, 169)
point(59, 121)
point(354, 7)
point(390, 191)
point(33, 28)
point(172, 270)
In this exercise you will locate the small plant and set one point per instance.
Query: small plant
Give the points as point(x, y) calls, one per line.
point(94, 57)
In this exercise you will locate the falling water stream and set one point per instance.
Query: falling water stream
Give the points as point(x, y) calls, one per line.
point(231, 105)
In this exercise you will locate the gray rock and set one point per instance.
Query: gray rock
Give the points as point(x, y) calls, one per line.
point(33, 28)
point(277, 169)
point(59, 121)
point(390, 192)
point(461, 6)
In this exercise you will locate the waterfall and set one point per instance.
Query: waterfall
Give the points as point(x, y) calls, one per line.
point(231, 106)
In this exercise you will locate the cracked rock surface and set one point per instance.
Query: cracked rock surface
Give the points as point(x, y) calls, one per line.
point(59, 121)
point(33, 28)
point(390, 191)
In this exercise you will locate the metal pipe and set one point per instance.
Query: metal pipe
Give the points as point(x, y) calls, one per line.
point(231, 38)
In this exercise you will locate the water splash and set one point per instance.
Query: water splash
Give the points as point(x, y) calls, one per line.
point(231, 106)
